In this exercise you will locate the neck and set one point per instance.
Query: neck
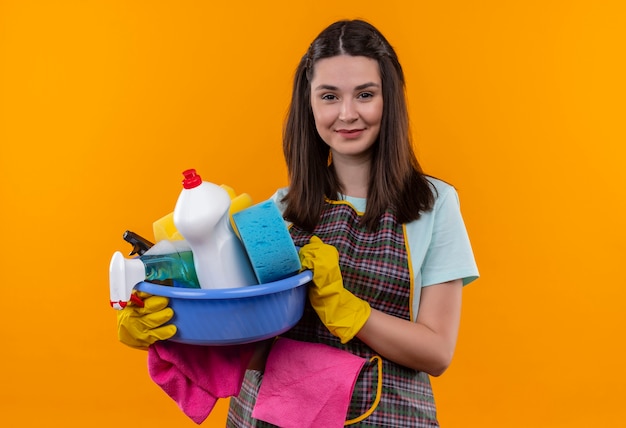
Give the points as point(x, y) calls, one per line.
point(353, 174)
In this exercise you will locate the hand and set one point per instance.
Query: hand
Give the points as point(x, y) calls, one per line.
point(140, 327)
point(342, 312)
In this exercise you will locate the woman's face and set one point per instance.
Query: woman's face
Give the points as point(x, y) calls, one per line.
point(347, 103)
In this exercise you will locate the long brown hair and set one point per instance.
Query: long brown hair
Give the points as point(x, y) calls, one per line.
point(397, 181)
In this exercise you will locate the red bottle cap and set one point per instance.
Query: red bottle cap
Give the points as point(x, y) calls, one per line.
point(191, 179)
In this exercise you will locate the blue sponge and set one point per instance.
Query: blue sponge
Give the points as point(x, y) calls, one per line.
point(267, 242)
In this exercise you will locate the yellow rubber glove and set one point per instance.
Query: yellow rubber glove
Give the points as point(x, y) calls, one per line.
point(140, 327)
point(342, 312)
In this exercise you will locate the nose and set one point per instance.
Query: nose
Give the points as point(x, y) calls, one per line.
point(348, 112)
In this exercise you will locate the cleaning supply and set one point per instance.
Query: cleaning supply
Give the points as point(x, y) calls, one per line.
point(170, 260)
point(166, 260)
point(201, 215)
point(228, 316)
point(195, 377)
point(237, 203)
point(267, 242)
point(306, 385)
point(342, 312)
point(139, 243)
point(164, 228)
point(140, 327)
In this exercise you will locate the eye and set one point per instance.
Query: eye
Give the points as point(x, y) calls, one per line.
point(329, 97)
point(365, 95)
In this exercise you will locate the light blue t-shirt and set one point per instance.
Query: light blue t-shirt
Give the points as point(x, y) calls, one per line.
point(439, 247)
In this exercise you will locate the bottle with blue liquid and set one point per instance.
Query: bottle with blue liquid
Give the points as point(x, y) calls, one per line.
point(177, 267)
point(165, 261)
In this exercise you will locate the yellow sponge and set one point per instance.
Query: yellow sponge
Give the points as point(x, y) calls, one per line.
point(164, 229)
point(237, 203)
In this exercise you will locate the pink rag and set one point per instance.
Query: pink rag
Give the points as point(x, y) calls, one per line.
point(307, 385)
point(195, 377)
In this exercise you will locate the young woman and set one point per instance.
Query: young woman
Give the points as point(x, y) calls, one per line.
point(386, 243)
point(403, 251)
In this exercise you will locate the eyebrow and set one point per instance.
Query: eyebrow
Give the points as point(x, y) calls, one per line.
point(358, 88)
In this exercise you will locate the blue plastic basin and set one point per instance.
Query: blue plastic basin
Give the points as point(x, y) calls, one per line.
point(230, 316)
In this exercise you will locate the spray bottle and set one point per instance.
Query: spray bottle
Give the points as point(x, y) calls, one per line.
point(166, 260)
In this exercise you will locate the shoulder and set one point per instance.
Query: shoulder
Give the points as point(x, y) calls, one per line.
point(441, 190)
point(445, 208)
point(278, 196)
point(438, 241)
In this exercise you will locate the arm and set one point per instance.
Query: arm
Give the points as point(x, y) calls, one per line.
point(259, 358)
point(427, 344)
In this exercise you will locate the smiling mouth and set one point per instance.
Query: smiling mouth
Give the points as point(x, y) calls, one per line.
point(349, 131)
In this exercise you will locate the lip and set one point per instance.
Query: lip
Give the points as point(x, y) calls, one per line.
point(350, 133)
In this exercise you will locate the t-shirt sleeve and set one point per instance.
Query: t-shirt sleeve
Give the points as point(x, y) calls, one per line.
point(277, 197)
point(449, 254)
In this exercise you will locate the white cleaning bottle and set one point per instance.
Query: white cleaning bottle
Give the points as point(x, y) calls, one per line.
point(202, 217)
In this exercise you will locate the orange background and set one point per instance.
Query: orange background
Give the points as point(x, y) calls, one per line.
point(518, 104)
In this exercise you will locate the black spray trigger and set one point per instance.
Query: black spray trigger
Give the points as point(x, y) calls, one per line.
point(140, 244)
